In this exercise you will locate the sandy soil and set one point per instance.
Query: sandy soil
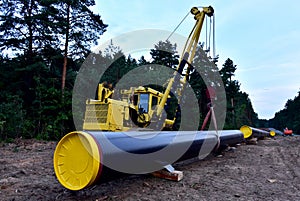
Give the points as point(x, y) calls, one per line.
point(269, 170)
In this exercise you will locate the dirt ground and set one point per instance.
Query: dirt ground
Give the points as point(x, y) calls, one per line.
point(269, 170)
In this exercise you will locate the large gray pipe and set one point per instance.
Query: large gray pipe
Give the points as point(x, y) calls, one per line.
point(84, 158)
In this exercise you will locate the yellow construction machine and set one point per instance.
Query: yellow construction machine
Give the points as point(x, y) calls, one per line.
point(82, 158)
point(142, 107)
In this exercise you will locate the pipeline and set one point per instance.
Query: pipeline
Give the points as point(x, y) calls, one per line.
point(84, 158)
point(274, 131)
point(255, 132)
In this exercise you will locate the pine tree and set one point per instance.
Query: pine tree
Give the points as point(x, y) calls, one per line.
point(142, 61)
point(24, 28)
point(115, 64)
point(80, 28)
point(39, 41)
point(227, 72)
point(165, 53)
point(231, 87)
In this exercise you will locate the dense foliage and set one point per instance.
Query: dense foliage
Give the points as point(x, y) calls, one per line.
point(41, 110)
point(44, 43)
point(239, 108)
point(288, 117)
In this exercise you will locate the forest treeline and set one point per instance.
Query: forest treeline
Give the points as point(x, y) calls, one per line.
point(288, 117)
point(43, 45)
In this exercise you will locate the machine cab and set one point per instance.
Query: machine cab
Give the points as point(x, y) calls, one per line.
point(145, 99)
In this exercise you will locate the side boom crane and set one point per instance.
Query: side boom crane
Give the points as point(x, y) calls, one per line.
point(186, 57)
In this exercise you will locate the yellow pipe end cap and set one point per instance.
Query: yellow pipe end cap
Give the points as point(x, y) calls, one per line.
point(272, 133)
point(247, 131)
point(76, 160)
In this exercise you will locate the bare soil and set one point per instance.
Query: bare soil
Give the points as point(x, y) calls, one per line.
point(267, 171)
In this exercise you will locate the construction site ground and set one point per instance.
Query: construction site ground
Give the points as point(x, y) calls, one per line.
point(269, 170)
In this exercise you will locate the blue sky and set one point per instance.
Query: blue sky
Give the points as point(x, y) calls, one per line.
point(261, 37)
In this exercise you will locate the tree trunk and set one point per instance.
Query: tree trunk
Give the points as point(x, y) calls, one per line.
point(64, 72)
point(30, 38)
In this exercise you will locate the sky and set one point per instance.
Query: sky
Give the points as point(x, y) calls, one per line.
point(261, 37)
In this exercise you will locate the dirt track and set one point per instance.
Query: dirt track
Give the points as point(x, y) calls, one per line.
point(267, 171)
